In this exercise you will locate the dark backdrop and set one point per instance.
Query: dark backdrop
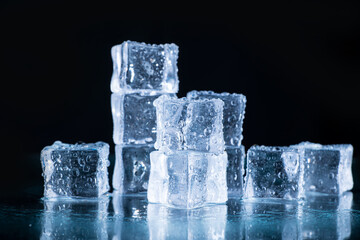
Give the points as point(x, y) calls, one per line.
point(297, 63)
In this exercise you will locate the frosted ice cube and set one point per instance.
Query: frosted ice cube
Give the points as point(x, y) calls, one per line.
point(132, 168)
point(334, 212)
point(201, 223)
point(274, 172)
point(75, 170)
point(134, 117)
point(144, 67)
point(327, 167)
point(234, 113)
point(184, 124)
point(187, 179)
point(235, 170)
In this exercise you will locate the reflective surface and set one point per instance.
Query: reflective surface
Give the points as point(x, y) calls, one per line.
point(132, 217)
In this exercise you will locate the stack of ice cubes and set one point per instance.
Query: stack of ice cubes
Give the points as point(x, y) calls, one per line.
point(188, 169)
point(141, 73)
point(233, 117)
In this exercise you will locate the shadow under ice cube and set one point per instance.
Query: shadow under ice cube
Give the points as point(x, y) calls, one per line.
point(274, 172)
point(144, 67)
point(327, 168)
point(187, 179)
point(75, 170)
point(132, 168)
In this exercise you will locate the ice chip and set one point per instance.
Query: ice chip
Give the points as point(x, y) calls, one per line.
point(75, 170)
point(327, 167)
point(234, 113)
point(144, 67)
point(274, 172)
point(184, 124)
point(187, 179)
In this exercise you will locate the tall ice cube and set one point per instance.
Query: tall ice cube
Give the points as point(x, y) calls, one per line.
point(144, 67)
point(274, 172)
point(184, 124)
point(75, 170)
point(327, 167)
point(234, 113)
point(235, 170)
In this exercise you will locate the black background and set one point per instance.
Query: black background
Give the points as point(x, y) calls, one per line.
point(297, 63)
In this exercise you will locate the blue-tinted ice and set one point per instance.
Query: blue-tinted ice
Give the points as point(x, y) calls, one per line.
point(235, 170)
point(75, 170)
point(144, 67)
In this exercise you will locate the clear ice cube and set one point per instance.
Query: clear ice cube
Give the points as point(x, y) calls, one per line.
point(234, 113)
point(184, 124)
point(235, 170)
point(75, 170)
point(327, 167)
point(187, 179)
point(134, 117)
point(132, 168)
point(144, 67)
point(274, 172)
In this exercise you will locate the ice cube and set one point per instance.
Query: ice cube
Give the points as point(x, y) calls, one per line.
point(274, 172)
point(62, 219)
point(334, 212)
point(327, 167)
point(184, 124)
point(75, 170)
point(234, 113)
point(144, 67)
point(134, 117)
point(187, 179)
point(201, 223)
point(235, 170)
point(132, 168)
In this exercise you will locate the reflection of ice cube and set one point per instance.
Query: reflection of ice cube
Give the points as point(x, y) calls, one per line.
point(327, 217)
point(132, 168)
point(234, 113)
point(235, 170)
point(129, 220)
point(202, 223)
point(187, 179)
point(144, 67)
point(75, 170)
point(327, 167)
point(75, 219)
point(271, 219)
point(274, 172)
point(184, 124)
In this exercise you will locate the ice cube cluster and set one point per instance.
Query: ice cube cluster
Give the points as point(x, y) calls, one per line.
point(141, 73)
point(186, 152)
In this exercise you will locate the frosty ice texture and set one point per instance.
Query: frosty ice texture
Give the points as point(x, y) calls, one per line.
point(184, 124)
point(144, 67)
point(234, 113)
point(134, 117)
point(274, 172)
point(132, 168)
point(187, 179)
point(235, 170)
point(75, 170)
point(327, 167)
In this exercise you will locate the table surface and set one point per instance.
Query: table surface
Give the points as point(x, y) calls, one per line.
point(24, 214)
